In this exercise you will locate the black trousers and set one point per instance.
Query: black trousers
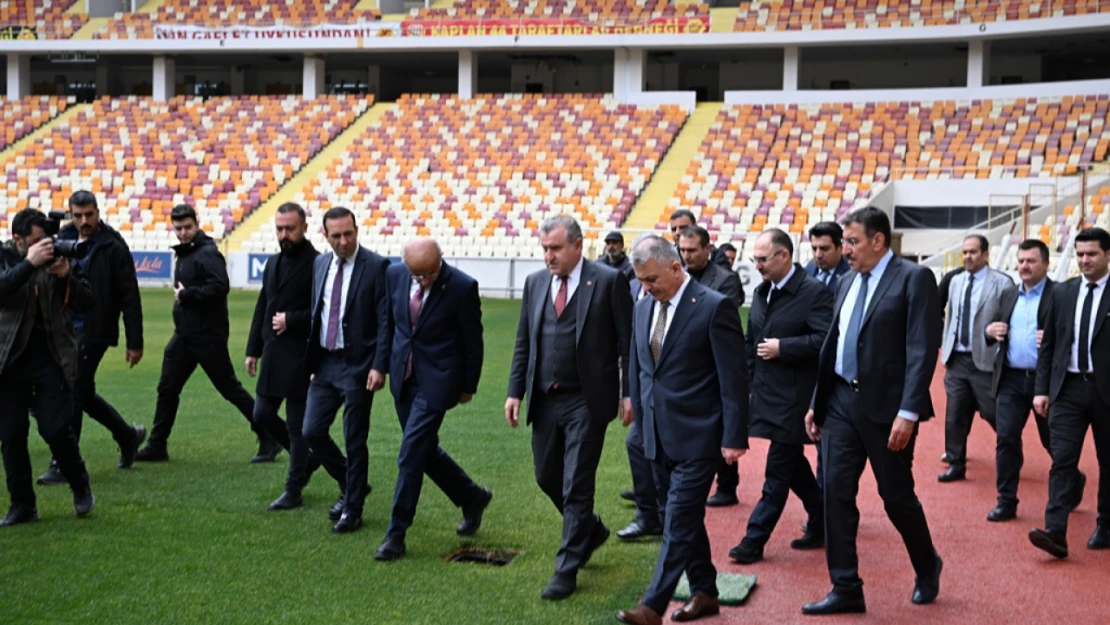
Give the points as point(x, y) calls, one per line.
point(35, 384)
point(1078, 406)
point(421, 455)
point(648, 512)
point(684, 487)
point(87, 401)
point(334, 386)
point(179, 362)
point(850, 440)
point(787, 470)
point(566, 448)
point(968, 390)
point(1014, 403)
point(289, 434)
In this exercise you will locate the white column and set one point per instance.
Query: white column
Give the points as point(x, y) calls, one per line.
point(374, 80)
point(468, 74)
point(628, 73)
point(237, 81)
point(313, 77)
point(19, 75)
point(165, 78)
point(978, 63)
point(791, 60)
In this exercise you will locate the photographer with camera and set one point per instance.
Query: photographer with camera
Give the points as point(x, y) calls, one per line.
point(107, 264)
point(39, 292)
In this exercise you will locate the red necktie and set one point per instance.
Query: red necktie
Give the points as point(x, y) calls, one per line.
point(561, 298)
point(415, 304)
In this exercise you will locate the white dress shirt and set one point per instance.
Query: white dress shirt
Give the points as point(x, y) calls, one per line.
point(674, 303)
point(572, 282)
point(778, 285)
point(412, 292)
point(976, 295)
point(329, 281)
point(1096, 297)
point(850, 305)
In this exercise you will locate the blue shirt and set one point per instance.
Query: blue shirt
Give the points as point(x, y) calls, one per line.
point(850, 305)
point(1021, 351)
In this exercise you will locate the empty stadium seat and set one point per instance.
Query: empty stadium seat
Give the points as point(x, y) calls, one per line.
point(228, 13)
point(48, 18)
point(22, 116)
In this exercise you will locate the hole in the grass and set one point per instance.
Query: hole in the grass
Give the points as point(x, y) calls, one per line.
point(494, 557)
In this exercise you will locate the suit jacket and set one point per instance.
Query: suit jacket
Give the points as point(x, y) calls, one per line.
point(281, 373)
point(724, 281)
point(783, 387)
point(981, 352)
point(365, 325)
point(1059, 334)
point(1003, 312)
point(841, 268)
point(446, 344)
point(604, 312)
point(893, 374)
point(696, 396)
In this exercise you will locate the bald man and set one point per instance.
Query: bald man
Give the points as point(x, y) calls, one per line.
point(435, 363)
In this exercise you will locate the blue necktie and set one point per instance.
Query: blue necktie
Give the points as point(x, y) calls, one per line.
point(851, 338)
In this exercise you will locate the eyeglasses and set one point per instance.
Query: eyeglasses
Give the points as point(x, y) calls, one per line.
point(762, 260)
point(420, 277)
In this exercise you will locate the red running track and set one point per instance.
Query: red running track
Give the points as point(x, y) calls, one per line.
point(992, 574)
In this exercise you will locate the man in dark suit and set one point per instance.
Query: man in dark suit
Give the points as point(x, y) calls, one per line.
point(689, 391)
point(788, 321)
point(279, 337)
point(682, 219)
point(200, 333)
point(348, 355)
point(571, 363)
point(1073, 389)
point(1018, 322)
point(614, 255)
point(435, 364)
point(872, 391)
point(828, 264)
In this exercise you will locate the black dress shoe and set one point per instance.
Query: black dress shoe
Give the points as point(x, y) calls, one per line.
point(128, 449)
point(1100, 539)
point(836, 603)
point(336, 509)
point(392, 548)
point(53, 475)
point(637, 530)
point(1079, 488)
point(721, 500)
point(628, 494)
point(18, 515)
point(83, 501)
point(287, 501)
point(597, 539)
point(809, 540)
point(560, 587)
point(347, 523)
point(1051, 542)
point(925, 591)
point(152, 453)
point(268, 450)
point(747, 552)
point(472, 514)
point(1002, 512)
point(953, 474)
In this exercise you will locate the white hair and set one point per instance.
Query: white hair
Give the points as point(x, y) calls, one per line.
point(653, 247)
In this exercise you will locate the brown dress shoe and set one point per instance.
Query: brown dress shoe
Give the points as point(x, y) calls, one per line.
point(700, 605)
point(640, 615)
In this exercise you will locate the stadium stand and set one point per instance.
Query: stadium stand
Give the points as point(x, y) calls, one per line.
point(224, 155)
point(228, 13)
point(781, 15)
point(793, 166)
point(21, 117)
point(482, 174)
point(627, 11)
point(47, 19)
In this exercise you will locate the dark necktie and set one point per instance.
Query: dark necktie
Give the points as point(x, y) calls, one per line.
point(965, 314)
point(415, 304)
point(776, 293)
point(334, 307)
point(850, 364)
point(1085, 329)
point(561, 297)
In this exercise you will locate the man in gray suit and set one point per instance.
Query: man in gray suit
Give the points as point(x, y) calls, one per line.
point(967, 354)
point(571, 364)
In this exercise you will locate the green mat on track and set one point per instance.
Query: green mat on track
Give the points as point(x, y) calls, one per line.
point(734, 588)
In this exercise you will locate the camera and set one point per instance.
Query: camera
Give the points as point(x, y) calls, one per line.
point(63, 248)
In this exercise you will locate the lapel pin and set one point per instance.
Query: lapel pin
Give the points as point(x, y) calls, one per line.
point(589, 282)
point(693, 300)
